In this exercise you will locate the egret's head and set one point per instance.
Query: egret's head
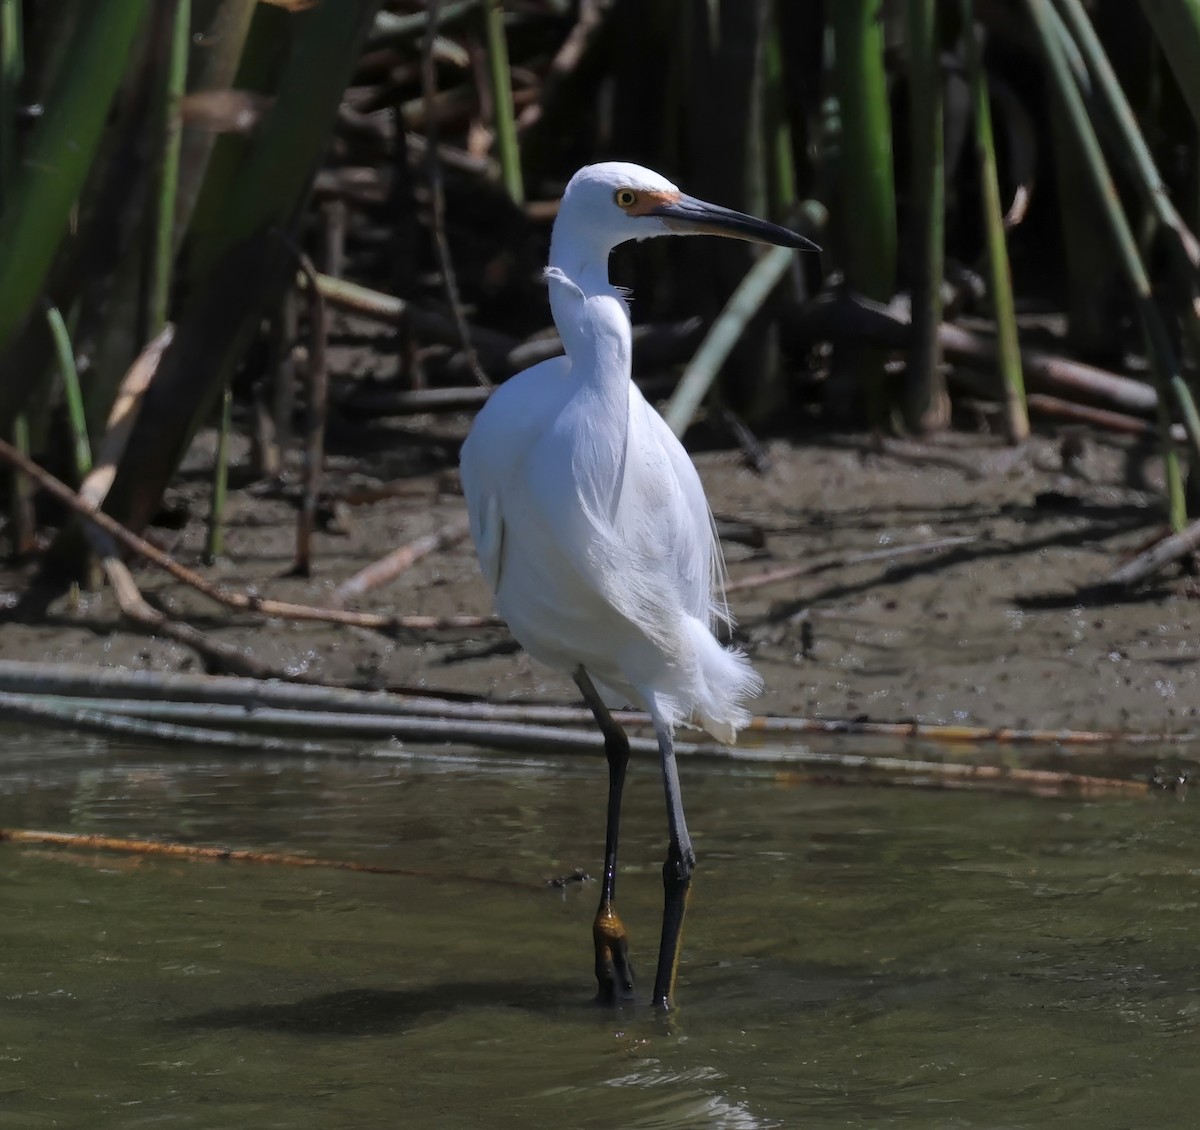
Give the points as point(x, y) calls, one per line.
point(611, 203)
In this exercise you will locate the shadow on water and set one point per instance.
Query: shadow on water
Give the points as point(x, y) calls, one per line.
point(364, 1012)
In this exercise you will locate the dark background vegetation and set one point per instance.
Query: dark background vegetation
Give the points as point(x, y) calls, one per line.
point(1004, 191)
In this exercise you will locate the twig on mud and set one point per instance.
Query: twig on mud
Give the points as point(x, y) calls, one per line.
point(1163, 553)
point(752, 447)
point(809, 568)
point(390, 567)
point(438, 196)
point(242, 602)
point(222, 656)
point(80, 841)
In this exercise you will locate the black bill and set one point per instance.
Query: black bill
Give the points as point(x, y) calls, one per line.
point(689, 216)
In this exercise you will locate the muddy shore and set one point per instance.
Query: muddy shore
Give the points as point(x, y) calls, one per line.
point(986, 626)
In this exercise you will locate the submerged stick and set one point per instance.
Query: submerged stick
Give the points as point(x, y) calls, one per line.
point(82, 841)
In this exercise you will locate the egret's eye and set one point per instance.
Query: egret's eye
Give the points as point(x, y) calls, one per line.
point(625, 197)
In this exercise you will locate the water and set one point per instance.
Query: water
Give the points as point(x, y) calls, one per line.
point(853, 957)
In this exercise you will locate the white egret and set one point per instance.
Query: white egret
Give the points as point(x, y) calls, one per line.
point(593, 531)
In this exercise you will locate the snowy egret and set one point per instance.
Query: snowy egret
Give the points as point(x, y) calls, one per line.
point(593, 530)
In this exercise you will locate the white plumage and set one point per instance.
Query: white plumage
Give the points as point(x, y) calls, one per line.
point(592, 527)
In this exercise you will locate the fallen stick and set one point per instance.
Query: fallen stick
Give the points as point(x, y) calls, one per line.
point(391, 310)
point(1146, 564)
point(80, 841)
point(850, 317)
point(223, 656)
point(81, 681)
point(242, 602)
point(550, 741)
point(809, 568)
point(390, 567)
point(1121, 422)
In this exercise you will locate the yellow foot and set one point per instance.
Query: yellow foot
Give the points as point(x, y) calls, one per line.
point(614, 974)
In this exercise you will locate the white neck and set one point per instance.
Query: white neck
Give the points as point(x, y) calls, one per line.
point(582, 259)
point(595, 331)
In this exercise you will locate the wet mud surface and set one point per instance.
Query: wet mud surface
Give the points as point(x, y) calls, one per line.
point(989, 624)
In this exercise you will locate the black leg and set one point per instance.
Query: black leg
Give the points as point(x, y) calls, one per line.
point(677, 877)
point(614, 974)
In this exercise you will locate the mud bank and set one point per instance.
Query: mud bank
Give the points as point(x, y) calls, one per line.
point(984, 626)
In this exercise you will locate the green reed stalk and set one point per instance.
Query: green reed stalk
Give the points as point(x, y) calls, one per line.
point(168, 171)
point(1176, 25)
point(1162, 357)
point(1008, 346)
point(867, 198)
point(59, 154)
point(502, 101)
point(12, 68)
point(64, 351)
point(1181, 244)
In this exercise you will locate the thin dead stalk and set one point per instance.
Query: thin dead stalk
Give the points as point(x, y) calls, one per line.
point(318, 395)
point(388, 568)
point(122, 418)
point(566, 60)
point(437, 194)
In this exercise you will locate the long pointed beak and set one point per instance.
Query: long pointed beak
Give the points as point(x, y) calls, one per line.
point(689, 216)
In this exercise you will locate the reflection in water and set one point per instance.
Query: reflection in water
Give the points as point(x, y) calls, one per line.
point(854, 956)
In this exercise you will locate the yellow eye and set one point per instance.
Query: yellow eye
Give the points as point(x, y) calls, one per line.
point(625, 197)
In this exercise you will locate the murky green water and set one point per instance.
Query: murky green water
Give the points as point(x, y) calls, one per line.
point(873, 957)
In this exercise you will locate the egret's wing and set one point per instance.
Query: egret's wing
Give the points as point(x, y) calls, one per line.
point(489, 460)
point(688, 531)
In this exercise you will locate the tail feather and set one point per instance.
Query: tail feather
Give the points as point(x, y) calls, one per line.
point(725, 679)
